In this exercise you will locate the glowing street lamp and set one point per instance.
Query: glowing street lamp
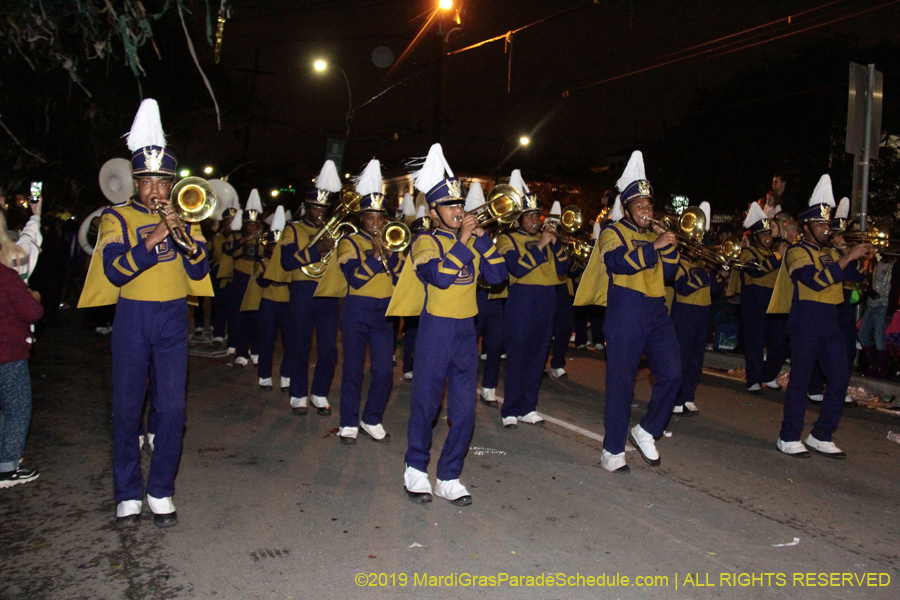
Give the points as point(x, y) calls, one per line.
point(321, 65)
point(524, 140)
point(446, 4)
point(184, 173)
point(208, 170)
point(274, 193)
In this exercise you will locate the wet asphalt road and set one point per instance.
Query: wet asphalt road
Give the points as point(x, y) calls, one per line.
point(272, 506)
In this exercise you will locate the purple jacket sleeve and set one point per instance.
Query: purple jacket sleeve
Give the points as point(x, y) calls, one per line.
point(442, 273)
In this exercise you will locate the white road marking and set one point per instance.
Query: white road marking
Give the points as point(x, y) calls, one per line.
point(578, 430)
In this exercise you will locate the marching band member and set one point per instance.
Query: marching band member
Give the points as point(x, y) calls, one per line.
point(765, 334)
point(593, 314)
point(362, 258)
point(448, 262)
point(218, 270)
point(535, 259)
point(562, 321)
point(310, 314)
point(489, 320)
point(637, 263)
point(137, 266)
point(273, 313)
point(690, 314)
point(247, 253)
point(422, 223)
point(809, 286)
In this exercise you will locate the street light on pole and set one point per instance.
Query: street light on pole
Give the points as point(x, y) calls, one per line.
point(322, 66)
point(524, 140)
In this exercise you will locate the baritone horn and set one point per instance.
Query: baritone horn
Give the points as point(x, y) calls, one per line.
point(192, 200)
point(334, 228)
point(503, 205)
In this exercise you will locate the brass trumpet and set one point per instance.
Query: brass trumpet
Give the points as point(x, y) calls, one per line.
point(394, 237)
point(334, 228)
point(503, 205)
point(192, 200)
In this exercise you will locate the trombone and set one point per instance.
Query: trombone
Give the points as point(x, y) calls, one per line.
point(192, 200)
point(570, 222)
point(503, 205)
point(689, 229)
point(394, 237)
point(879, 235)
point(334, 229)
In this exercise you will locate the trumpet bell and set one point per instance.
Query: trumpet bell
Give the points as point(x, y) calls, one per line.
point(504, 205)
point(571, 219)
point(396, 236)
point(193, 199)
point(692, 223)
point(730, 250)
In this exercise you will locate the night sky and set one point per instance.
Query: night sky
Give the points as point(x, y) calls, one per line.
point(296, 109)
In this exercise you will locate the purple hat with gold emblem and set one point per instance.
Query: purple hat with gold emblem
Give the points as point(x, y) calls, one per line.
point(821, 203)
point(430, 179)
point(147, 142)
point(328, 184)
point(369, 186)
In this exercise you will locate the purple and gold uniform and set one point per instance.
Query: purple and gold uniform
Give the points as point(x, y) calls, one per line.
point(533, 276)
point(637, 322)
point(308, 314)
point(149, 338)
point(446, 347)
point(364, 325)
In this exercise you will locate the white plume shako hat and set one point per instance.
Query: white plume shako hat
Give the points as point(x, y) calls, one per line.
point(756, 220)
point(408, 206)
point(820, 203)
point(253, 208)
point(707, 212)
point(633, 183)
point(475, 197)
point(328, 184)
point(530, 201)
point(435, 179)
point(147, 142)
point(369, 185)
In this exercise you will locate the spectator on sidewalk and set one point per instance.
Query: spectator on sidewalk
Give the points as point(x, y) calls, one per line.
point(19, 309)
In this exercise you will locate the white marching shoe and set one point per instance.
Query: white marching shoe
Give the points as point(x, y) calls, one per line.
point(285, 383)
point(298, 406)
point(323, 409)
point(240, 361)
point(825, 448)
point(645, 445)
point(348, 435)
point(376, 432)
point(254, 358)
point(453, 491)
point(795, 449)
point(265, 383)
point(558, 373)
point(417, 486)
point(489, 396)
point(614, 463)
point(532, 418)
point(510, 423)
point(163, 510)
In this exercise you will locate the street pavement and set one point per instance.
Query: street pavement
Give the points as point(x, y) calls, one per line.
point(272, 506)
